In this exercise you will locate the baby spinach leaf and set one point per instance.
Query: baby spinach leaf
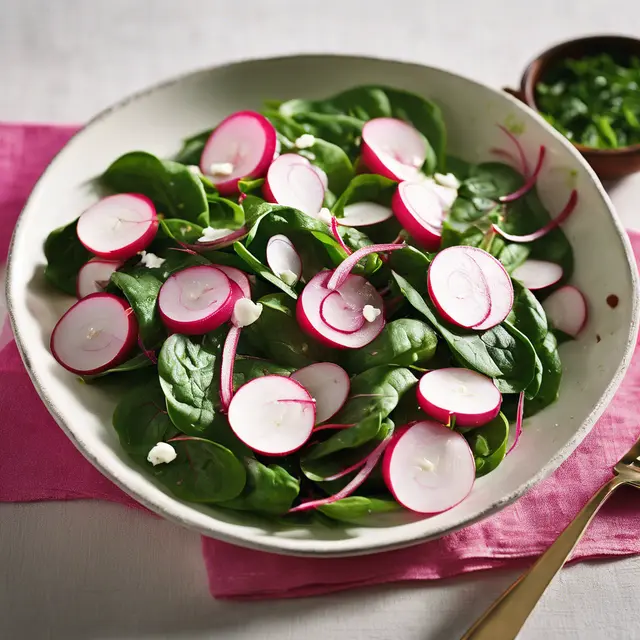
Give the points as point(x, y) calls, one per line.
point(408, 410)
point(513, 255)
point(551, 376)
point(366, 187)
point(223, 214)
point(65, 255)
point(141, 289)
point(402, 342)
point(412, 264)
point(333, 161)
point(139, 361)
point(203, 471)
point(247, 368)
point(182, 231)
point(192, 148)
point(489, 444)
point(176, 192)
point(259, 269)
point(527, 314)
point(358, 508)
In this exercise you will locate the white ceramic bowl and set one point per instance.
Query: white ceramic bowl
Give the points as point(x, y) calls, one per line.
point(157, 120)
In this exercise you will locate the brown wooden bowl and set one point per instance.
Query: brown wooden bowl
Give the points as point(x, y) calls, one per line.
point(609, 164)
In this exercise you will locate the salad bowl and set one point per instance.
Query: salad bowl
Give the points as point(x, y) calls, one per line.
point(157, 120)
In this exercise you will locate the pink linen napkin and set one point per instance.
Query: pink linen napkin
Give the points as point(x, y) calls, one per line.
point(39, 463)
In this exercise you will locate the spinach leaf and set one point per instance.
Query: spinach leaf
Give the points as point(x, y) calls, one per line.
point(333, 161)
point(222, 214)
point(65, 255)
point(192, 148)
point(259, 269)
point(203, 471)
point(366, 187)
point(513, 255)
point(489, 444)
point(358, 508)
point(551, 376)
point(139, 361)
point(176, 192)
point(141, 289)
point(527, 314)
point(402, 342)
point(412, 264)
point(182, 231)
point(247, 368)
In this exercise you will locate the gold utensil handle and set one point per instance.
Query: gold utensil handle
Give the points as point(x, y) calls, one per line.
point(506, 616)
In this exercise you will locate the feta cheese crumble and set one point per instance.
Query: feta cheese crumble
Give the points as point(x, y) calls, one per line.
point(324, 215)
point(246, 312)
point(221, 169)
point(162, 453)
point(447, 180)
point(370, 312)
point(209, 234)
point(150, 260)
point(305, 141)
point(288, 277)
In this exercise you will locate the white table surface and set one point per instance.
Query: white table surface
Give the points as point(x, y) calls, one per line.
point(89, 570)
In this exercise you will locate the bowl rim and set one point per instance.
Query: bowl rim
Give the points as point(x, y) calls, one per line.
point(352, 546)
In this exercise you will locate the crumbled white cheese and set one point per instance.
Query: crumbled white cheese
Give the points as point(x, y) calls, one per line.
point(162, 453)
point(221, 169)
point(195, 169)
point(246, 312)
point(151, 260)
point(305, 141)
point(324, 215)
point(210, 234)
point(288, 277)
point(447, 180)
point(370, 312)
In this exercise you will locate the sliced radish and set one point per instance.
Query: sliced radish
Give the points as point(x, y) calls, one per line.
point(393, 148)
point(294, 184)
point(537, 274)
point(94, 276)
point(470, 397)
point(196, 300)
point(364, 214)
point(328, 383)
point(336, 234)
point(294, 158)
point(241, 146)
point(566, 308)
point(428, 468)
point(529, 182)
point(519, 421)
point(499, 284)
point(458, 288)
point(217, 239)
point(95, 334)
point(272, 415)
point(237, 276)
point(226, 367)
point(524, 166)
point(340, 313)
point(283, 259)
point(118, 226)
point(421, 212)
point(309, 315)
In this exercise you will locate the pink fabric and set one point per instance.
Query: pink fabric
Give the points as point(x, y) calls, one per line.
point(39, 463)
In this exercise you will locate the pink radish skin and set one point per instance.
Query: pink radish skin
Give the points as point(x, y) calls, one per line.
point(421, 212)
point(393, 149)
point(282, 256)
point(364, 214)
point(529, 182)
point(537, 274)
point(196, 300)
point(499, 284)
point(328, 383)
point(428, 468)
point(567, 310)
point(294, 184)
point(95, 334)
point(247, 141)
point(226, 368)
point(237, 276)
point(310, 320)
point(470, 397)
point(94, 276)
point(336, 234)
point(519, 421)
point(458, 288)
point(220, 243)
point(117, 227)
point(524, 166)
point(267, 425)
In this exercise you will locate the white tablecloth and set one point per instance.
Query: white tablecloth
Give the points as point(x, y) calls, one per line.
point(91, 570)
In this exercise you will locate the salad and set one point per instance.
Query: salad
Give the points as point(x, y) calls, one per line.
point(315, 310)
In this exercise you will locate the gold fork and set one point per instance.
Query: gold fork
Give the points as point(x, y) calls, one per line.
point(506, 616)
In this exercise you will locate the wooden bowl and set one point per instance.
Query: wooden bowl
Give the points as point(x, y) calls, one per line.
point(609, 164)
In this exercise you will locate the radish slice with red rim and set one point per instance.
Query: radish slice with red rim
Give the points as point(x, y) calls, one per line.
point(458, 288)
point(259, 416)
point(336, 234)
point(226, 368)
point(519, 421)
point(217, 238)
point(567, 311)
point(118, 226)
point(294, 184)
point(340, 314)
point(95, 334)
point(421, 212)
point(529, 182)
point(237, 276)
point(196, 300)
point(283, 259)
point(364, 214)
point(537, 274)
point(428, 467)
point(241, 146)
point(393, 148)
point(94, 276)
point(328, 384)
point(524, 166)
point(470, 397)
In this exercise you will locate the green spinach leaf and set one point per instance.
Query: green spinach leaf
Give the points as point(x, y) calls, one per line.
point(489, 444)
point(65, 255)
point(357, 508)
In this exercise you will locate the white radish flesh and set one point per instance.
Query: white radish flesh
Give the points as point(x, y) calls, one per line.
point(95, 334)
point(294, 184)
point(537, 274)
point(118, 226)
point(309, 316)
point(471, 398)
point(294, 158)
point(458, 289)
point(364, 214)
point(393, 148)
point(567, 311)
point(196, 300)
point(328, 384)
point(237, 276)
point(428, 468)
point(283, 258)
point(272, 415)
point(241, 146)
point(421, 211)
point(340, 314)
point(226, 367)
point(94, 276)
